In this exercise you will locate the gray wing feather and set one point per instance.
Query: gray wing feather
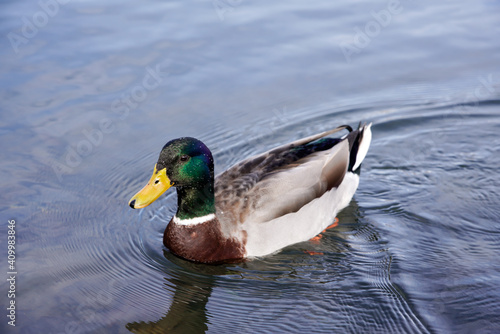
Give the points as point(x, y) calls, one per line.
point(267, 186)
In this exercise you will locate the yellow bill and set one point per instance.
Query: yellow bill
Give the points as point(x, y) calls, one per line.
point(157, 185)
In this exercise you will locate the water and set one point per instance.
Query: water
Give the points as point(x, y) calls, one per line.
point(90, 96)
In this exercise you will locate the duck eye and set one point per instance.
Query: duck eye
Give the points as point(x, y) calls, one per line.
point(184, 157)
point(156, 182)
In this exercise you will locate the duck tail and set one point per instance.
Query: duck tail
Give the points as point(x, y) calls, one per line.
point(359, 143)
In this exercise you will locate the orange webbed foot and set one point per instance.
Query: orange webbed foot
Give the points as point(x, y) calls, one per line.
point(335, 224)
point(317, 238)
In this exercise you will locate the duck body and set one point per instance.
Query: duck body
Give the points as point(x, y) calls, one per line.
point(260, 205)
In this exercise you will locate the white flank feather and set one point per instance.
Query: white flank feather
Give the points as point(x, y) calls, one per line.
point(311, 219)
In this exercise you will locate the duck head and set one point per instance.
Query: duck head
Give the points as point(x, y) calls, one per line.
point(187, 164)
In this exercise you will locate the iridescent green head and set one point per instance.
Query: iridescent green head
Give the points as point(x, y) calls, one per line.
point(188, 161)
point(187, 164)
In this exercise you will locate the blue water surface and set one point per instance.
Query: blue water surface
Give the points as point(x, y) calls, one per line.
point(91, 91)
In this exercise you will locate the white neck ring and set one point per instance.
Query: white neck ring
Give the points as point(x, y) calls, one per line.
point(193, 221)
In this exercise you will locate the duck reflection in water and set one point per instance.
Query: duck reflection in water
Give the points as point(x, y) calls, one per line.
point(187, 313)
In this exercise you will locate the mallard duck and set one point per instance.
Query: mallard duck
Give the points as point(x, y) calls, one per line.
point(260, 205)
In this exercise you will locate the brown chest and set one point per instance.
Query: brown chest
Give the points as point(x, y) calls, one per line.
point(202, 242)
